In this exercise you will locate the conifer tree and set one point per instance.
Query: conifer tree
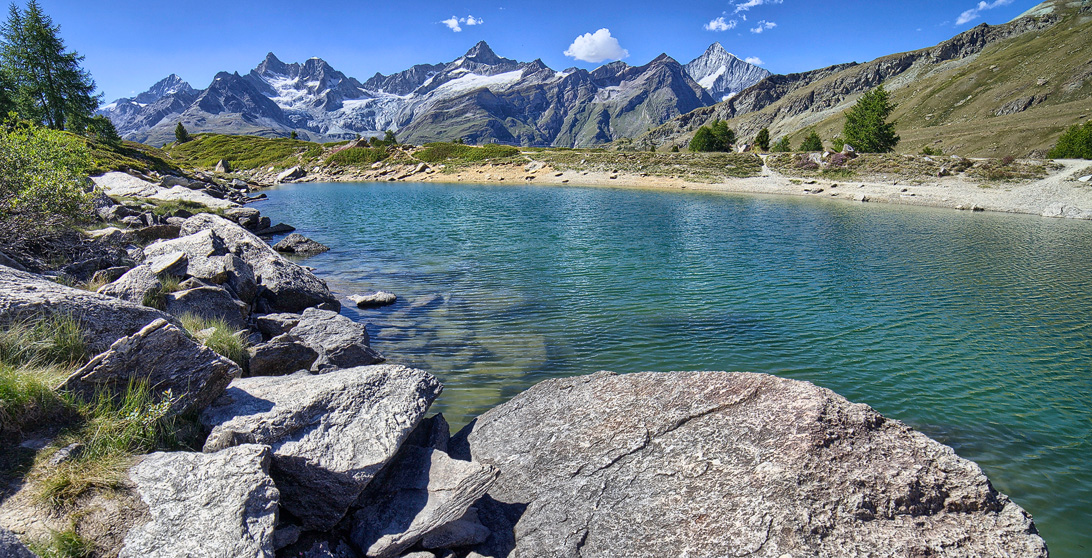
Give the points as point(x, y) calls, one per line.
point(389, 138)
point(725, 136)
point(180, 133)
point(812, 142)
point(866, 127)
point(782, 145)
point(703, 140)
point(762, 140)
point(46, 79)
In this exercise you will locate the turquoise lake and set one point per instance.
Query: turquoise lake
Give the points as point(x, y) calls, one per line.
point(973, 328)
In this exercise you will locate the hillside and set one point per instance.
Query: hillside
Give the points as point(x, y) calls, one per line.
point(991, 91)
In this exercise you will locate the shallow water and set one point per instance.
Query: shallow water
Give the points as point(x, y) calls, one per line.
point(974, 328)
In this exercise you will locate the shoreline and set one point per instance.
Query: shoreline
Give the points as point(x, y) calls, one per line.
point(1059, 195)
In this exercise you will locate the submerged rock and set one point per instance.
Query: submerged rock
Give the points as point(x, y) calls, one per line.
point(210, 505)
point(296, 243)
point(374, 300)
point(719, 464)
point(331, 433)
point(164, 357)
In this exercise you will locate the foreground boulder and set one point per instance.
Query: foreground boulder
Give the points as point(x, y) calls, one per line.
point(291, 287)
point(209, 260)
point(164, 357)
point(339, 341)
point(719, 464)
point(11, 547)
point(423, 495)
point(331, 434)
point(103, 319)
point(120, 184)
point(210, 505)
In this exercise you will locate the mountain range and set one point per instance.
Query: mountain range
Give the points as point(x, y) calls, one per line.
point(479, 97)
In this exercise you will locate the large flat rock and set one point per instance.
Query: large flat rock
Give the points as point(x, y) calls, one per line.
point(125, 185)
point(103, 319)
point(728, 464)
point(330, 433)
point(209, 505)
point(292, 288)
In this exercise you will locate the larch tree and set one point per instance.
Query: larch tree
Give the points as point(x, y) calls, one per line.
point(867, 128)
point(46, 79)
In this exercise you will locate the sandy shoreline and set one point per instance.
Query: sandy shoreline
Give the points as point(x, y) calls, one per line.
point(1058, 195)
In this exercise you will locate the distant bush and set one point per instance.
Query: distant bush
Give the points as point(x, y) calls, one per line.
point(812, 143)
point(1075, 143)
point(931, 151)
point(804, 162)
point(762, 140)
point(782, 145)
point(443, 151)
point(358, 156)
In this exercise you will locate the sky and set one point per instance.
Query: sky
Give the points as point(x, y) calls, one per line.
point(129, 45)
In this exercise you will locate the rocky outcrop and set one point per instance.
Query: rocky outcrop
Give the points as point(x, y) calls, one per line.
point(296, 243)
point(420, 493)
point(138, 283)
point(294, 173)
point(331, 433)
point(176, 369)
point(208, 259)
point(125, 185)
point(11, 547)
point(291, 288)
point(103, 319)
point(339, 341)
point(719, 464)
point(210, 303)
point(222, 504)
point(279, 356)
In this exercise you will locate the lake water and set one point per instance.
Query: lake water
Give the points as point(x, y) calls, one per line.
point(973, 328)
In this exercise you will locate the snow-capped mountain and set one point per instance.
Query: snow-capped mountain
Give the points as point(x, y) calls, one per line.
point(479, 97)
point(171, 95)
point(722, 74)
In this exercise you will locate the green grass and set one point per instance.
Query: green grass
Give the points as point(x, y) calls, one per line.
point(458, 153)
point(63, 544)
point(157, 297)
point(125, 156)
point(54, 340)
point(168, 208)
point(243, 152)
point(112, 430)
point(27, 399)
point(358, 156)
point(222, 339)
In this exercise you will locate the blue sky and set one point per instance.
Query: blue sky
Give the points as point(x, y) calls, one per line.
point(129, 45)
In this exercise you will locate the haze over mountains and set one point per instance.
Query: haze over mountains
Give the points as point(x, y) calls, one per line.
point(479, 97)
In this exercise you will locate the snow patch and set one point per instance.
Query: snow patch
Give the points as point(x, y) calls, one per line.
point(708, 81)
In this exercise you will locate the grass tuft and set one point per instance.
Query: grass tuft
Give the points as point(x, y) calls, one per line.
point(157, 297)
point(63, 544)
point(27, 398)
point(54, 340)
point(219, 337)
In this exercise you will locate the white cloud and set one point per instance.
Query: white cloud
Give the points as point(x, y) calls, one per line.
point(596, 47)
point(763, 26)
point(455, 23)
point(752, 3)
point(452, 24)
point(720, 25)
point(753, 60)
point(974, 12)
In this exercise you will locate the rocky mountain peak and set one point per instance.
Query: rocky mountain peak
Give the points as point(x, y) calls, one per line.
point(482, 54)
point(723, 74)
point(167, 86)
point(271, 66)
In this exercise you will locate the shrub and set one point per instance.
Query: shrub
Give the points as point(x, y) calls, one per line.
point(181, 134)
point(804, 162)
point(358, 156)
point(1075, 143)
point(782, 145)
point(812, 143)
point(931, 151)
point(42, 175)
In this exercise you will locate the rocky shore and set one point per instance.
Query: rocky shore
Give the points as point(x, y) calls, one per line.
point(315, 447)
point(1065, 192)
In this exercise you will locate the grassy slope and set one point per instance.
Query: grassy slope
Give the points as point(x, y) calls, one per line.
point(242, 152)
point(954, 105)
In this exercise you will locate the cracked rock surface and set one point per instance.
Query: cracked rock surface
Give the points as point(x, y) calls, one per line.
point(727, 464)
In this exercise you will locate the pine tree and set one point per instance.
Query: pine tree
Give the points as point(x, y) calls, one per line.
point(703, 140)
point(812, 142)
point(48, 83)
point(782, 145)
point(762, 140)
point(724, 135)
point(866, 127)
point(102, 129)
point(1075, 143)
point(389, 138)
point(180, 133)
